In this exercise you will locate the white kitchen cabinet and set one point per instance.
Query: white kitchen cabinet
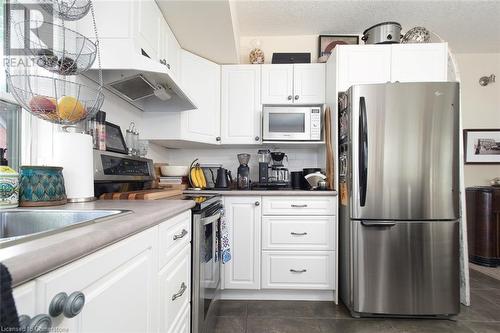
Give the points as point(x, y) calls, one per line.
point(243, 215)
point(419, 62)
point(149, 25)
point(363, 64)
point(175, 290)
point(240, 104)
point(293, 84)
point(119, 283)
point(299, 205)
point(309, 83)
point(173, 53)
point(277, 84)
point(25, 299)
point(298, 270)
point(201, 79)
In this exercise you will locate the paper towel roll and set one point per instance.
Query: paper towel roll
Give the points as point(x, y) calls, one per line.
point(74, 152)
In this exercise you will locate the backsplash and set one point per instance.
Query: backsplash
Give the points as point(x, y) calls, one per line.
point(298, 158)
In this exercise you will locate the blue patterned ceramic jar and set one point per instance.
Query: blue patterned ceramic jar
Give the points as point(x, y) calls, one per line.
point(41, 186)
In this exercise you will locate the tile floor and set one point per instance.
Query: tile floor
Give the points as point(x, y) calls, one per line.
point(325, 317)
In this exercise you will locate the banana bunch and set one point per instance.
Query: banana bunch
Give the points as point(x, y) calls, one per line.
point(196, 176)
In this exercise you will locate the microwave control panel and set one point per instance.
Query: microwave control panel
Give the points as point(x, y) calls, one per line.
point(316, 124)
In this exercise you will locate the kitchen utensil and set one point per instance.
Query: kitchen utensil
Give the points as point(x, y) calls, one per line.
point(329, 149)
point(383, 33)
point(297, 178)
point(305, 172)
point(322, 185)
point(73, 151)
point(41, 186)
point(224, 178)
point(314, 178)
point(174, 170)
point(416, 35)
point(243, 177)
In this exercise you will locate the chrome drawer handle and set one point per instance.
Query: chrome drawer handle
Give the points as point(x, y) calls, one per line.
point(181, 235)
point(180, 293)
point(298, 233)
point(298, 271)
point(299, 206)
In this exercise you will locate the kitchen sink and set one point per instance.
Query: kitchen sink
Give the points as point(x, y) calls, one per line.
point(20, 225)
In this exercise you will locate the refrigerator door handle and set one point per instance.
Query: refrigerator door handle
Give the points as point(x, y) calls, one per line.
point(362, 152)
point(377, 224)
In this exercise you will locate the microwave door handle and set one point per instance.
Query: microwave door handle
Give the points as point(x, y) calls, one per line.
point(362, 152)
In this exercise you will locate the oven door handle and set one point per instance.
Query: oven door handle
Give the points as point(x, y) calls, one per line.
point(210, 219)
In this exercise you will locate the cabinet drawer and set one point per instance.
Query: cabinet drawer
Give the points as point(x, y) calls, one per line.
point(175, 289)
point(298, 270)
point(298, 232)
point(305, 205)
point(174, 234)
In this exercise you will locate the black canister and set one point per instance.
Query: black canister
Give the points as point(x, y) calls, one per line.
point(296, 177)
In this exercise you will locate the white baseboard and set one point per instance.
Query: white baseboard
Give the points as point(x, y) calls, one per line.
point(286, 295)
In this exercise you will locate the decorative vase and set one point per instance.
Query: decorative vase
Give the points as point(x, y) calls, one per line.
point(41, 186)
point(9, 188)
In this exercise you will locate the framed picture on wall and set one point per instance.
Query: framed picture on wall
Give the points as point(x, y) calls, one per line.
point(328, 42)
point(482, 146)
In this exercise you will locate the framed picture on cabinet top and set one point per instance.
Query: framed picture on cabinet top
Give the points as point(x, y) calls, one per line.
point(327, 43)
point(482, 146)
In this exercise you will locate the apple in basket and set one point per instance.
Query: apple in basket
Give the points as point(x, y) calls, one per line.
point(70, 109)
point(44, 106)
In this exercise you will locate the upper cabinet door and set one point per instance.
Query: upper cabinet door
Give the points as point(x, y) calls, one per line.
point(277, 84)
point(240, 104)
point(419, 62)
point(363, 64)
point(173, 54)
point(201, 79)
point(149, 25)
point(309, 83)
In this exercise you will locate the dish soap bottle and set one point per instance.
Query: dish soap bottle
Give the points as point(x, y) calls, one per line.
point(9, 183)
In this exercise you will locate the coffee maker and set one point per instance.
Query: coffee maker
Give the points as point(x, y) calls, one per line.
point(243, 178)
point(264, 160)
point(272, 171)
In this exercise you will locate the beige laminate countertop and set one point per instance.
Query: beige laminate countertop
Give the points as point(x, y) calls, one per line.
point(33, 258)
point(263, 192)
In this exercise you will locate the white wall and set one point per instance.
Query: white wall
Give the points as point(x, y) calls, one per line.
point(298, 158)
point(480, 106)
point(270, 44)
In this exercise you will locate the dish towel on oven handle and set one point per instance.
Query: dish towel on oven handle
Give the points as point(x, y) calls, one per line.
point(225, 248)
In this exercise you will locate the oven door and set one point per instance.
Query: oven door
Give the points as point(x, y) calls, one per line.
point(286, 123)
point(206, 271)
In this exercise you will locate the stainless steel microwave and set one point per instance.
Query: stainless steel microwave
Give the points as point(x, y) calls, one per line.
point(291, 123)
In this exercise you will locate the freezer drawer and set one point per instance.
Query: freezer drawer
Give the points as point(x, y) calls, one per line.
point(406, 268)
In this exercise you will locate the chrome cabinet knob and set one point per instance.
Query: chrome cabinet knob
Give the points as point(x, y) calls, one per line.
point(257, 138)
point(74, 304)
point(257, 203)
point(40, 323)
point(217, 138)
point(24, 321)
point(290, 97)
point(296, 97)
point(56, 306)
point(183, 233)
point(180, 293)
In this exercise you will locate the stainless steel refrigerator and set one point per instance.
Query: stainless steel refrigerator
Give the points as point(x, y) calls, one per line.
point(399, 199)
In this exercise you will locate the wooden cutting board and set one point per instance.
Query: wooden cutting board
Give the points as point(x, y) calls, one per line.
point(330, 174)
point(154, 194)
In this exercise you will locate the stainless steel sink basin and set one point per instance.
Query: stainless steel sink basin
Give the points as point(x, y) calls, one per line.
point(19, 225)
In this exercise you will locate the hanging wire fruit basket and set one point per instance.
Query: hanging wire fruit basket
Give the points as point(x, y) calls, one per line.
point(57, 49)
point(56, 100)
point(68, 10)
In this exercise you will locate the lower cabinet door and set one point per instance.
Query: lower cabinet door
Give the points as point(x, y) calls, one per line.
point(175, 290)
point(118, 283)
point(183, 324)
point(298, 270)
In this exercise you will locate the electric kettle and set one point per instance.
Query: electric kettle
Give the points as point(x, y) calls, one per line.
point(224, 178)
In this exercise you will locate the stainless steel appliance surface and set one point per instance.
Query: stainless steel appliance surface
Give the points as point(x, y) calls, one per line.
point(399, 206)
point(383, 33)
point(115, 172)
point(292, 123)
point(205, 261)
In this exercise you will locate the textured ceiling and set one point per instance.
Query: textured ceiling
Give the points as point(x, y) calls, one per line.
point(468, 26)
